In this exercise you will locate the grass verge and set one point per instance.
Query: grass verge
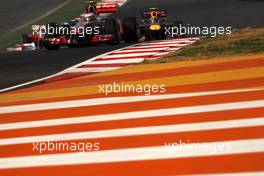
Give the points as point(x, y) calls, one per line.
point(240, 42)
point(65, 13)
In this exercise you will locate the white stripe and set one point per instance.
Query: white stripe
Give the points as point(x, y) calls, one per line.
point(177, 40)
point(230, 174)
point(119, 61)
point(148, 47)
point(140, 55)
point(165, 129)
point(142, 50)
point(132, 115)
point(171, 42)
point(161, 45)
point(90, 70)
point(110, 100)
point(123, 155)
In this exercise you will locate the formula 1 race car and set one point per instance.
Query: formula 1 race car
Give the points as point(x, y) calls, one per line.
point(103, 19)
point(96, 28)
point(99, 24)
point(153, 24)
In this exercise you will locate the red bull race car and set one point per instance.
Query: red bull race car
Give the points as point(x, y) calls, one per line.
point(153, 24)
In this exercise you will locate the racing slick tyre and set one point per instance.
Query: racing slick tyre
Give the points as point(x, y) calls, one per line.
point(130, 29)
point(53, 29)
point(113, 29)
point(71, 45)
point(25, 38)
point(53, 47)
point(156, 35)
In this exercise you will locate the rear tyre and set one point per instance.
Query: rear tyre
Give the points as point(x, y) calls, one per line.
point(72, 45)
point(156, 35)
point(25, 38)
point(52, 47)
point(130, 29)
point(112, 28)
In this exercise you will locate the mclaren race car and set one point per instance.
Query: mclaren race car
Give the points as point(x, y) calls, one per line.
point(99, 24)
point(102, 24)
point(153, 24)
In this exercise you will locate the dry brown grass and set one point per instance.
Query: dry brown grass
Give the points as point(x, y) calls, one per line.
point(247, 41)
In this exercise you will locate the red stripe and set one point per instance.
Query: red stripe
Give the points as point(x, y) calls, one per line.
point(129, 107)
point(136, 47)
point(114, 143)
point(250, 162)
point(158, 44)
point(135, 52)
point(180, 39)
point(141, 122)
point(66, 76)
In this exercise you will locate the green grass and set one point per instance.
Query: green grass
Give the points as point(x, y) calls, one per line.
point(65, 13)
point(240, 42)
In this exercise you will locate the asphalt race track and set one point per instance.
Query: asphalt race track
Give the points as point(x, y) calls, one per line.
point(16, 68)
point(15, 13)
point(20, 67)
point(235, 13)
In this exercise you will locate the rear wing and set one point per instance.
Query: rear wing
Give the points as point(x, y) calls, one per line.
point(160, 13)
point(107, 8)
